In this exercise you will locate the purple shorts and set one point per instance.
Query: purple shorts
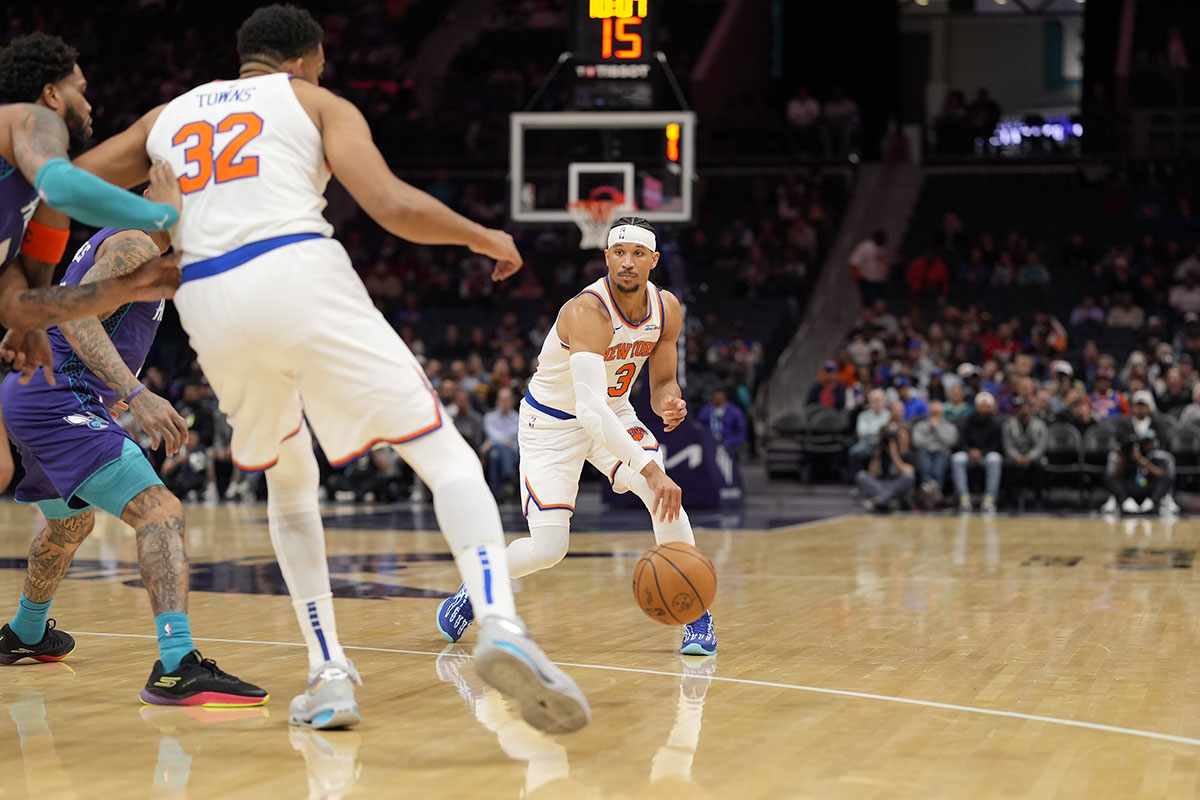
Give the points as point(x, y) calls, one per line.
point(64, 434)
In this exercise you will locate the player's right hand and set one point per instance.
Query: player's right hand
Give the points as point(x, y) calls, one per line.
point(668, 497)
point(160, 421)
point(500, 246)
point(155, 279)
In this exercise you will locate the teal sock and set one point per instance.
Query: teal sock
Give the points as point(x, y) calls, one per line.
point(174, 638)
point(30, 622)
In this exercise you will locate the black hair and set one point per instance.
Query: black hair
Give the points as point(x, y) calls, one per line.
point(30, 62)
point(278, 33)
point(637, 222)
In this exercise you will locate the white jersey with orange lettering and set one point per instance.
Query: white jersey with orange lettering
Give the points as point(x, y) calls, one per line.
point(631, 344)
point(554, 445)
point(280, 321)
point(250, 164)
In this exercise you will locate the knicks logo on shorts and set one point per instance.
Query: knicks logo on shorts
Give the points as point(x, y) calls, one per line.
point(89, 419)
point(638, 433)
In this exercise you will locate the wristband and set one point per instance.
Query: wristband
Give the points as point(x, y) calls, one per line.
point(141, 387)
point(45, 243)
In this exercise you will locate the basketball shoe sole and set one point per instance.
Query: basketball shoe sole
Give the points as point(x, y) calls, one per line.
point(509, 661)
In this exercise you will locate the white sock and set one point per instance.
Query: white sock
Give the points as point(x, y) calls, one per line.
point(678, 531)
point(467, 514)
point(320, 630)
point(294, 521)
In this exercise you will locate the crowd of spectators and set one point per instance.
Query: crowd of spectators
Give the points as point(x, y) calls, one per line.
point(942, 381)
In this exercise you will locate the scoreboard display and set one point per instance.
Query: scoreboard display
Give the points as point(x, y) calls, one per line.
point(614, 31)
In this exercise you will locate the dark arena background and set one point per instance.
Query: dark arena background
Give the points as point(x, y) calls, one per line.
point(939, 262)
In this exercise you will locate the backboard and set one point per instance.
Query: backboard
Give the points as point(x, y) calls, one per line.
point(560, 157)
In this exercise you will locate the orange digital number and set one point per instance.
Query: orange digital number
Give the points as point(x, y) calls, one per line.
point(607, 37)
point(624, 378)
point(634, 40)
point(227, 166)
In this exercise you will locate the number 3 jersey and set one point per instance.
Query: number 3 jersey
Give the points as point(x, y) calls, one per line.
point(250, 164)
point(551, 387)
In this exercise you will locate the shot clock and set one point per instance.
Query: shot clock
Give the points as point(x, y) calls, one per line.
point(614, 31)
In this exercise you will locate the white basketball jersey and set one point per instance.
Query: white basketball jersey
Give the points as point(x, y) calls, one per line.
point(250, 164)
point(631, 344)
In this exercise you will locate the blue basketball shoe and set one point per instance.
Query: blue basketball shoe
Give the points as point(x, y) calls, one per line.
point(455, 615)
point(699, 637)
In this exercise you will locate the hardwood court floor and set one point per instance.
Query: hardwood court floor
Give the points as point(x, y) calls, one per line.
point(859, 658)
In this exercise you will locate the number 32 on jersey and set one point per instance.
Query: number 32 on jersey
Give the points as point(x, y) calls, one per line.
point(228, 165)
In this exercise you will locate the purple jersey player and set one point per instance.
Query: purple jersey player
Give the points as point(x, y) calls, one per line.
point(76, 456)
point(43, 118)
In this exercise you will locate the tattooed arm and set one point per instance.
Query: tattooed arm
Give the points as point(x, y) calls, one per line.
point(118, 255)
point(38, 136)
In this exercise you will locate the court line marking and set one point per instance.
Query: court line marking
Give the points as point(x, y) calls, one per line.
point(1095, 726)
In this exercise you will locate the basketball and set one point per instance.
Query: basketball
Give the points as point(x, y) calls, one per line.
point(674, 583)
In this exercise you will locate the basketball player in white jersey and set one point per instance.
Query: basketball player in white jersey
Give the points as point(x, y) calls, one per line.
point(577, 409)
point(286, 335)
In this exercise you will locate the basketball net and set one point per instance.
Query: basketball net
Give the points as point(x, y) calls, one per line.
point(594, 217)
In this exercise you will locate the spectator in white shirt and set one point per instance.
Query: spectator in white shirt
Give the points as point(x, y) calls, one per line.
point(870, 421)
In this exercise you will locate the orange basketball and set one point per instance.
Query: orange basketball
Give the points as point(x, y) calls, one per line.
point(674, 583)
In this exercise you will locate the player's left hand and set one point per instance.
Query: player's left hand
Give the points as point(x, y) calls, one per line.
point(674, 411)
point(164, 187)
point(26, 351)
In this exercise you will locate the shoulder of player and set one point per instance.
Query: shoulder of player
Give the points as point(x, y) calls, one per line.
point(314, 97)
point(147, 120)
point(585, 305)
point(670, 301)
point(672, 309)
point(36, 125)
point(584, 309)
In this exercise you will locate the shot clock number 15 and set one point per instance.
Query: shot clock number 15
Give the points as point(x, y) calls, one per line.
point(617, 18)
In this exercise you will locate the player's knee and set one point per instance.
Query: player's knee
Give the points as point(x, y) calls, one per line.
point(153, 504)
point(550, 542)
point(442, 458)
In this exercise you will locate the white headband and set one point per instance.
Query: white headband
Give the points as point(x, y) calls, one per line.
point(634, 234)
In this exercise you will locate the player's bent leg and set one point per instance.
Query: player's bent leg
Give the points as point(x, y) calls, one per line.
point(506, 658)
point(699, 637)
point(127, 487)
point(543, 548)
point(299, 541)
point(31, 634)
point(546, 545)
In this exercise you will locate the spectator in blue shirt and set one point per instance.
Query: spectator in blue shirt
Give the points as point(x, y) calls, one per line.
point(725, 421)
point(914, 406)
point(500, 442)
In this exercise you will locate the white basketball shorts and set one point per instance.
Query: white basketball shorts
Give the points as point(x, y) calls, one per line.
point(292, 335)
point(554, 450)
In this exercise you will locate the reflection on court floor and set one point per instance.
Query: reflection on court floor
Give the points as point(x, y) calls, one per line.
point(860, 657)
